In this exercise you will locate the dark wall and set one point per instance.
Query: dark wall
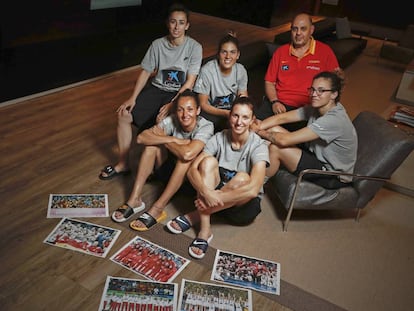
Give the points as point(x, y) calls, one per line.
point(35, 21)
point(394, 14)
point(256, 12)
point(52, 43)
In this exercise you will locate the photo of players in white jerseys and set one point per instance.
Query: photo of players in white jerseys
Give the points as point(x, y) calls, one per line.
point(202, 296)
point(77, 205)
point(83, 237)
point(136, 295)
point(249, 272)
point(150, 260)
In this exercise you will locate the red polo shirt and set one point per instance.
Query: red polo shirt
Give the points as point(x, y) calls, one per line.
point(293, 76)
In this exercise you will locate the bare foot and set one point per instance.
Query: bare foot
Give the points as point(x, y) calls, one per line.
point(136, 207)
point(154, 211)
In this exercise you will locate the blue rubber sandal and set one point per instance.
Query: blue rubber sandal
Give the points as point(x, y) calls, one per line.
point(200, 244)
point(182, 222)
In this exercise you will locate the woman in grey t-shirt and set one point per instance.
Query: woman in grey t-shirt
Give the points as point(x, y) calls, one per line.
point(220, 81)
point(172, 63)
point(329, 140)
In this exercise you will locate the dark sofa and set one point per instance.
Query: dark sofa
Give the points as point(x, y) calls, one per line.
point(345, 49)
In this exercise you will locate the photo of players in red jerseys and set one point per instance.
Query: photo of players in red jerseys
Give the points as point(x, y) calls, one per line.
point(83, 237)
point(77, 205)
point(150, 260)
point(138, 295)
point(239, 270)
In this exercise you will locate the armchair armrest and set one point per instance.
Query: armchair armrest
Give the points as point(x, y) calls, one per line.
point(338, 173)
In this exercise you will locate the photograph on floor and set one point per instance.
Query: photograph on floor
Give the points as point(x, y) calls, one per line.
point(249, 272)
point(150, 260)
point(133, 294)
point(77, 205)
point(206, 296)
point(84, 237)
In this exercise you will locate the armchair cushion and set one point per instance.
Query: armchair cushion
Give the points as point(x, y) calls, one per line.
point(343, 29)
point(403, 51)
point(396, 53)
point(407, 40)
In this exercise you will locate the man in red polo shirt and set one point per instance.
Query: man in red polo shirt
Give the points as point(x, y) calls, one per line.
point(292, 68)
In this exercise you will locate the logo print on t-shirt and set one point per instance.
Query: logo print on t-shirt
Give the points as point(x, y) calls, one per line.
point(285, 67)
point(173, 78)
point(223, 102)
point(226, 175)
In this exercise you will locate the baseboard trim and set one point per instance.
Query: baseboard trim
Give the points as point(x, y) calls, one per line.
point(400, 189)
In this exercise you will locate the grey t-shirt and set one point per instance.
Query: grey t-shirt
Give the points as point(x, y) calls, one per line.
point(337, 145)
point(222, 90)
point(242, 160)
point(172, 63)
point(202, 131)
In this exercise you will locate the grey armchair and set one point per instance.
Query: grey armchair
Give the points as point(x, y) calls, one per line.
point(403, 51)
point(381, 150)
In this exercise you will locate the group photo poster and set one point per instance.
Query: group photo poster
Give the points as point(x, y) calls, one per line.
point(84, 237)
point(77, 205)
point(249, 272)
point(150, 260)
point(133, 294)
point(196, 295)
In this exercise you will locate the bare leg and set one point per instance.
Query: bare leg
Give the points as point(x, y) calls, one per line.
point(274, 161)
point(124, 134)
point(145, 167)
point(175, 182)
point(146, 164)
point(210, 173)
point(206, 166)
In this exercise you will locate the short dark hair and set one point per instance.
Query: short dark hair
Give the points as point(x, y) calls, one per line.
point(186, 93)
point(243, 100)
point(229, 37)
point(336, 81)
point(178, 7)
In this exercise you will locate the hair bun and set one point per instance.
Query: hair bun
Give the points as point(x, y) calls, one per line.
point(232, 33)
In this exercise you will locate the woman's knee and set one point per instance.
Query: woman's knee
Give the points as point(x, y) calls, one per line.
point(208, 164)
point(124, 119)
point(240, 179)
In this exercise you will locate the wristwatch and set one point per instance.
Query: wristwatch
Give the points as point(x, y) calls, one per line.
point(275, 101)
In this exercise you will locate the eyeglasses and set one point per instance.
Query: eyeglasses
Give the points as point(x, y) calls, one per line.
point(319, 92)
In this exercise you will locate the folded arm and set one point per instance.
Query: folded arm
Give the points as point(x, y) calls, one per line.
point(185, 149)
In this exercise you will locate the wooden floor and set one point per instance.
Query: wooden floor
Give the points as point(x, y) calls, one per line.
point(56, 143)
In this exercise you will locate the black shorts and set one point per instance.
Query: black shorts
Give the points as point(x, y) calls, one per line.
point(242, 215)
point(147, 106)
point(309, 161)
point(164, 172)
